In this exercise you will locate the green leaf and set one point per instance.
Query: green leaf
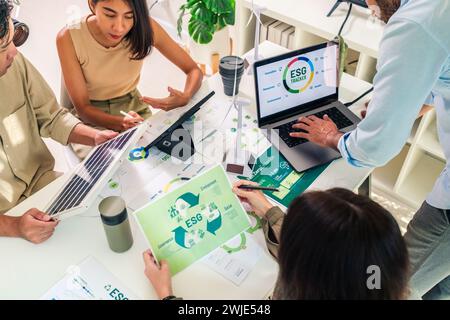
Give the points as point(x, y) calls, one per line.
point(200, 31)
point(198, 4)
point(180, 19)
point(221, 23)
point(227, 18)
point(207, 16)
point(190, 3)
point(200, 12)
point(220, 6)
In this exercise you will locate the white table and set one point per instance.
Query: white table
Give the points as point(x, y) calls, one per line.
point(27, 271)
point(362, 32)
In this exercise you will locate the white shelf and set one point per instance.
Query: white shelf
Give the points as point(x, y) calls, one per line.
point(385, 178)
point(361, 33)
point(312, 26)
point(429, 140)
point(421, 178)
point(412, 136)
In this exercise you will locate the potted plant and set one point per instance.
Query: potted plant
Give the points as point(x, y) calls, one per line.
point(207, 26)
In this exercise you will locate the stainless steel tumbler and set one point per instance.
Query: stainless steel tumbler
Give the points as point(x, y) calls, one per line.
point(114, 215)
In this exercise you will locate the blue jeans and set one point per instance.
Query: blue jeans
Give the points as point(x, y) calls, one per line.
point(428, 242)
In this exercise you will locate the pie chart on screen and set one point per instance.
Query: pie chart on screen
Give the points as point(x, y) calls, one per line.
point(298, 75)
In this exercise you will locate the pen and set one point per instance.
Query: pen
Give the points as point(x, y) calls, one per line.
point(209, 135)
point(249, 187)
point(126, 115)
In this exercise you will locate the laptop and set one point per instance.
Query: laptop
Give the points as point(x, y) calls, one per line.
point(81, 189)
point(300, 83)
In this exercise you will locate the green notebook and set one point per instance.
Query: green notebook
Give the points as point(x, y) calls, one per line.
point(271, 169)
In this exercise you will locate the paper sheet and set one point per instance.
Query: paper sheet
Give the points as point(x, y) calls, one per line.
point(141, 182)
point(186, 224)
point(235, 265)
point(89, 281)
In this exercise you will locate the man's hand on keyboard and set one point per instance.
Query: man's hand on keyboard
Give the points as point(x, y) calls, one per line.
point(322, 132)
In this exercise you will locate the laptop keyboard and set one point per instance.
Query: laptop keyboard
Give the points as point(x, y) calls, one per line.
point(338, 118)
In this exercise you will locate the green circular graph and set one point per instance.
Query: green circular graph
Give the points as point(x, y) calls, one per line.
point(288, 68)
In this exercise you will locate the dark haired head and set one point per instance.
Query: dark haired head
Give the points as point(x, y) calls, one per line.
point(330, 241)
point(140, 38)
point(5, 13)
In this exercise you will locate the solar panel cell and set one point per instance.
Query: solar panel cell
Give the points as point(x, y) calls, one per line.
point(88, 173)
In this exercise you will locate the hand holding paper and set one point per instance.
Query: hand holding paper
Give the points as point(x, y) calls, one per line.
point(158, 274)
point(193, 220)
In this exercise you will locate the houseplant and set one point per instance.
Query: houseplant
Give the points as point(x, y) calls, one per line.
point(207, 28)
point(206, 18)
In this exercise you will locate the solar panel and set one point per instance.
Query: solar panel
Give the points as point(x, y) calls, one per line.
point(94, 169)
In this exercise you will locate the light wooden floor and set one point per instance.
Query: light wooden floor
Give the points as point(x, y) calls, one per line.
point(402, 213)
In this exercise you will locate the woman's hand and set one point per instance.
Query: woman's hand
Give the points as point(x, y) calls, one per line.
point(133, 120)
point(175, 100)
point(159, 277)
point(255, 198)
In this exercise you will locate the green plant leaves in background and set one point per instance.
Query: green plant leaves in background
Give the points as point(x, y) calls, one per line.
point(227, 19)
point(200, 31)
point(207, 17)
point(220, 6)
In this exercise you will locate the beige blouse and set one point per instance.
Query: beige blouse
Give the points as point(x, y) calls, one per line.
point(109, 72)
point(29, 111)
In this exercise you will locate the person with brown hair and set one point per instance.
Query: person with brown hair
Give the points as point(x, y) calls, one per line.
point(102, 58)
point(327, 246)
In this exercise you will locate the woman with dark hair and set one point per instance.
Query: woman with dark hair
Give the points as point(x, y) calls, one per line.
point(102, 57)
point(330, 245)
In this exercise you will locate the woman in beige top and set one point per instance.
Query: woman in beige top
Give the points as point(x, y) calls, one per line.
point(102, 57)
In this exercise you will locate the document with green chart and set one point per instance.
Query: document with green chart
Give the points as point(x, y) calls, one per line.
point(193, 220)
point(271, 169)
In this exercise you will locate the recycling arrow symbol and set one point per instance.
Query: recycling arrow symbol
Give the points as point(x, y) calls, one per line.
point(190, 199)
point(180, 236)
point(214, 225)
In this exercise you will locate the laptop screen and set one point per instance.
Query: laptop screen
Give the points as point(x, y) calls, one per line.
point(295, 80)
